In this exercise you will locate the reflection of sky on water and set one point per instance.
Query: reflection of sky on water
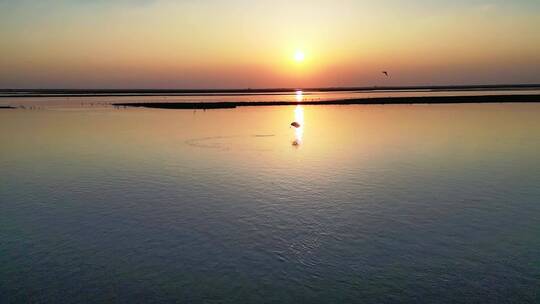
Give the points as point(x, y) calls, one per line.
point(200, 198)
point(105, 101)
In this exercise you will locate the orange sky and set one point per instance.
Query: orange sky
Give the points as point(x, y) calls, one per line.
point(240, 43)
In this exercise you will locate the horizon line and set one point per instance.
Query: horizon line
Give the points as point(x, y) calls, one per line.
point(279, 89)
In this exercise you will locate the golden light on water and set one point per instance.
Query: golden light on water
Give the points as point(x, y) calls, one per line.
point(299, 96)
point(299, 118)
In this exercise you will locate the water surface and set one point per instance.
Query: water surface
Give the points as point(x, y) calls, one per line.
point(362, 204)
point(94, 101)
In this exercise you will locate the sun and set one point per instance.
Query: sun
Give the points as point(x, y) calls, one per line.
point(299, 56)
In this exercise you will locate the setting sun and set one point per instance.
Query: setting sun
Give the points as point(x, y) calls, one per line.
point(299, 56)
point(270, 151)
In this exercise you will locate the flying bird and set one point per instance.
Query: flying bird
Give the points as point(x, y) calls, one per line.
point(385, 73)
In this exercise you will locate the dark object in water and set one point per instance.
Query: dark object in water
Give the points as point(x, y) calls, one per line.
point(295, 124)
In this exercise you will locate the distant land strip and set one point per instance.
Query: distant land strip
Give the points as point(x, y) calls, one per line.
point(362, 101)
point(11, 93)
point(6, 107)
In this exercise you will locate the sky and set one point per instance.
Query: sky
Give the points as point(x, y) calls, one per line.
point(253, 44)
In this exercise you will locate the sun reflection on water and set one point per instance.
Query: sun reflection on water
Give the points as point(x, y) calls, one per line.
point(299, 118)
point(299, 96)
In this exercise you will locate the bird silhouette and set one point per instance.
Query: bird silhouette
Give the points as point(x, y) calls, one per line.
point(385, 73)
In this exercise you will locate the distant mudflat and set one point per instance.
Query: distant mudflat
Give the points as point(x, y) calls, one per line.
point(13, 93)
point(360, 101)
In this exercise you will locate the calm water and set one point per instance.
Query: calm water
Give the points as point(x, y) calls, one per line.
point(106, 101)
point(363, 204)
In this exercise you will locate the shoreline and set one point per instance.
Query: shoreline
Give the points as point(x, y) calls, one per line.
point(14, 93)
point(363, 101)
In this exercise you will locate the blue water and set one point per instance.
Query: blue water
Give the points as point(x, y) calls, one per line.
point(379, 204)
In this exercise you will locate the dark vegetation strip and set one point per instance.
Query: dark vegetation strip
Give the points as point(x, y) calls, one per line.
point(363, 101)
